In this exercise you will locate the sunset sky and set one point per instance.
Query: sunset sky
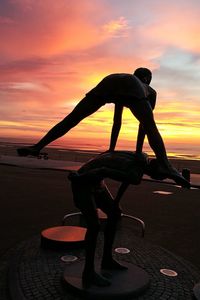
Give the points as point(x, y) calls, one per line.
point(53, 52)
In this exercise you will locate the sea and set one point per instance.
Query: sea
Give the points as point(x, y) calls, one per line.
point(186, 151)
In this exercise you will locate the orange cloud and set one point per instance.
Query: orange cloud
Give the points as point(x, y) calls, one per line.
point(117, 28)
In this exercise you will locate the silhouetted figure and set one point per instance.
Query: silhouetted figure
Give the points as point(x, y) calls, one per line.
point(90, 192)
point(124, 90)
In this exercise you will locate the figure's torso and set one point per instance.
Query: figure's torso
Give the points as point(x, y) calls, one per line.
point(126, 162)
point(119, 87)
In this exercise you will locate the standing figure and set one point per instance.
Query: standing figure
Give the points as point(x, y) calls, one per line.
point(124, 90)
point(90, 192)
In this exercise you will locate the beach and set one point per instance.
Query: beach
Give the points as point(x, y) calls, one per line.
point(33, 199)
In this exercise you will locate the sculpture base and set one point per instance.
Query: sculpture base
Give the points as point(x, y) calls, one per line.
point(124, 284)
point(63, 237)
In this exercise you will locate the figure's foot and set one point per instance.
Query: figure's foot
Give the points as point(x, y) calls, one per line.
point(94, 279)
point(25, 151)
point(112, 265)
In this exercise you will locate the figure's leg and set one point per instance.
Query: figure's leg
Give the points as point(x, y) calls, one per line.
point(84, 108)
point(106, 203)
point(143, 112)
point(83, 199)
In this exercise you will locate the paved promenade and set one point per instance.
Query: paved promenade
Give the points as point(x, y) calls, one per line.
point(37, 197)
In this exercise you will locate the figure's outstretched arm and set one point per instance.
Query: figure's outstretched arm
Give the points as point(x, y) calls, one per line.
point(117, 121)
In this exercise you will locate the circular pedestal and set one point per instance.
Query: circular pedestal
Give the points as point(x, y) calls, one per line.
point(63, 236)
point(124, 284)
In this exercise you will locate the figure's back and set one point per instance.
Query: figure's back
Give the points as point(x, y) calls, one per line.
point(124, 161)
point(119, 86)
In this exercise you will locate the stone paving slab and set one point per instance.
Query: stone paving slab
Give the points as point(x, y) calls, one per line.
point(36, 274)
point(35, 163)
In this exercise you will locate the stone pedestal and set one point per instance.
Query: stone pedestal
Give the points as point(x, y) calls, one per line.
point(124, 284)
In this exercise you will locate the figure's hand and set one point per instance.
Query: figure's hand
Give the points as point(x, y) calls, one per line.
point(109, 150)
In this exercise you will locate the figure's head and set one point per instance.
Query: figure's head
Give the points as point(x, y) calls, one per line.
point(144, 75)
point(153, 170)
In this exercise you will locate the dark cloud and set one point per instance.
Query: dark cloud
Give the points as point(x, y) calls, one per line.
point(30, 64)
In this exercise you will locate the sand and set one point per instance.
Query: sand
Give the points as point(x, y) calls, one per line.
point(33, 199)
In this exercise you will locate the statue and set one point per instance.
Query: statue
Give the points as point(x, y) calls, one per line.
point(90, 192)
point(124, 90)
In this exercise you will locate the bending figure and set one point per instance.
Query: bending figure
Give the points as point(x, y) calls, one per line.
point(124, 90)
point(90, 192)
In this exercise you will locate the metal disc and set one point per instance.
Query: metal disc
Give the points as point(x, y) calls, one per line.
point(122, 250)
point(168, 272)
point(68, 258)
point(162, 192)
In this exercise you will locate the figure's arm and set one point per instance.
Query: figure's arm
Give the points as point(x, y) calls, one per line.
point(140, 139)
point(141, 131)
point(117, 121)
point(152, 98)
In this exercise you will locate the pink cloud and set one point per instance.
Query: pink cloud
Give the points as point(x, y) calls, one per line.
point(38, 29)
point(175, 25)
